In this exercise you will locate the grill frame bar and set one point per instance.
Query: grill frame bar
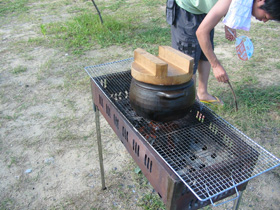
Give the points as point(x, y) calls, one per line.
point(93, 77)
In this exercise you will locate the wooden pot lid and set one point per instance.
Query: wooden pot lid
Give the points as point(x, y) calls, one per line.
point(170, 67)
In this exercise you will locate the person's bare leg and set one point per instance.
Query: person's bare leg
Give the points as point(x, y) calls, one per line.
point(203, 76)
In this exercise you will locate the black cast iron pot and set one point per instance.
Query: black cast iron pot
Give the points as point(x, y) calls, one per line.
point(161, 102)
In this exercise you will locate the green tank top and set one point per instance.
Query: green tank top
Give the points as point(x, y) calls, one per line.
point(196, 6)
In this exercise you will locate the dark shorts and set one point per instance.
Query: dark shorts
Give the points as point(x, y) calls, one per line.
point(183, 35)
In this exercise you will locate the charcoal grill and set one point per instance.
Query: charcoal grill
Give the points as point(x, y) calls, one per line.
point(191, 162)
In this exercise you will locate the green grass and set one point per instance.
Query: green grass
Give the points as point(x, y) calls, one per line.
point(85, 31)
point(7, 203)
point(8, 7)
point(254, 104)
point(19, 69)
point(151, 201)
point(13, 161)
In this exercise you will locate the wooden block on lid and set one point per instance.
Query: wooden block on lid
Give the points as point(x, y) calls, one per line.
point(151, 63)
point(171, 67)
point(176, 58)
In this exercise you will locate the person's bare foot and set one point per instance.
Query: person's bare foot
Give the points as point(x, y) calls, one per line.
point(209, 99)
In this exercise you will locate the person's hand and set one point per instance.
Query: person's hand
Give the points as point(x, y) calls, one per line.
point(220, 73)
point(228, 35)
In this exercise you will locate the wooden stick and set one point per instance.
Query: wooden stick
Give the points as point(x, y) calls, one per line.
point(236, 107)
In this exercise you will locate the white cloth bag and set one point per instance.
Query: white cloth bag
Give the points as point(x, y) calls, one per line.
point(239, 14)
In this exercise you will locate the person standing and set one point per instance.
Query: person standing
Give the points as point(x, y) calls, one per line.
point(192, 30)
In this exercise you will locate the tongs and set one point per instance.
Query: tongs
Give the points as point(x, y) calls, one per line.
point(236, 106)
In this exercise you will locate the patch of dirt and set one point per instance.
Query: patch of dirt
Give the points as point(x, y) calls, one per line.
point(49, 157)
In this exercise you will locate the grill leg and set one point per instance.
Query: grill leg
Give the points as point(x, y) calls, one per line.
point(98, 134)
point(237, 201)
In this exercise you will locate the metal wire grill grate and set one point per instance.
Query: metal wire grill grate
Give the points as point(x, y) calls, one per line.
point(207, 153)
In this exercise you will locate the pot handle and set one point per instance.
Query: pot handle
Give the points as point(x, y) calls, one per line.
point(170, 96)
